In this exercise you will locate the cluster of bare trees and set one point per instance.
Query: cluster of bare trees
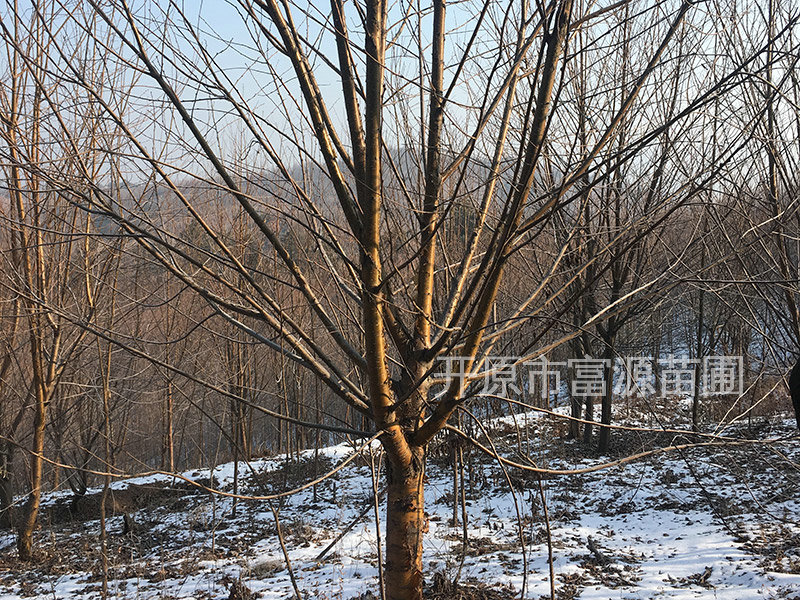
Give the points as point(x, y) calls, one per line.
point(265, 235)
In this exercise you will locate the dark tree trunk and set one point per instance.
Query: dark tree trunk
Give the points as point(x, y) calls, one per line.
point(575, 412)
point(589, 418)
point(30, 511)
point(794, 391)
point(604, 436)
point(6, 503)
point(454, 455)
point(6, 489)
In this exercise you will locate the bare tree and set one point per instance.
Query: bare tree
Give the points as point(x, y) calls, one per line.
point(459, 120)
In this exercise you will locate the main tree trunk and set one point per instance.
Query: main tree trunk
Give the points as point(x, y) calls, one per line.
point(405, 519)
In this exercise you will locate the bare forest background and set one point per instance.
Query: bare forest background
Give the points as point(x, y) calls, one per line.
point(227, 241)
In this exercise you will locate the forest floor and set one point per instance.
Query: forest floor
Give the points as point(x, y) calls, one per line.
point(705, 522)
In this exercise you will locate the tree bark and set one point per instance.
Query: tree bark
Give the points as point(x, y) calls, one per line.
point(30, 512)
point(589, 418)
point(575, 413)
point(6, 503)
point(6, 488)
point(405, 517)
point(604, 435)
point(794, 391)
point(699, 339)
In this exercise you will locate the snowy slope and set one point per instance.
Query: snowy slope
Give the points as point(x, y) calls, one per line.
point(704, 523)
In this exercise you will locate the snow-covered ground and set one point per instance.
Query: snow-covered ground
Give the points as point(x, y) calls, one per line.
point(718, 522)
